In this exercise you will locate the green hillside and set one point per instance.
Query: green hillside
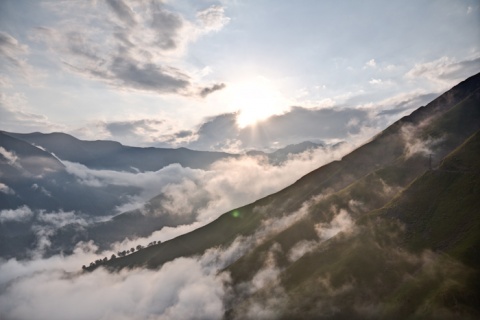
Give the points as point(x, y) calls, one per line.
point(415, 258)
point(383, 163)
point(381, 234)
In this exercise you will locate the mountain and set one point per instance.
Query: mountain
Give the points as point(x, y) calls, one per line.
point(389, 231)
point(112, 155)
point(39, 182)
point(34, 183)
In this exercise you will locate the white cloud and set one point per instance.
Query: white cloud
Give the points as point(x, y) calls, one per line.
point(207, 193)
point(10, 52)
point(15, 115)
point(341, 222)
point(300, 248)
point(54, 289)
point(371, 63)
point(414, 145)
point(11, 157)
point(445, 71)
point(6, 189)
point(213, 18)
point(60, 218)
point(20, 214)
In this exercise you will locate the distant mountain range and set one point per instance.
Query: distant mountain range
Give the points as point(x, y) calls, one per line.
point(391, 231)
point(32, 174)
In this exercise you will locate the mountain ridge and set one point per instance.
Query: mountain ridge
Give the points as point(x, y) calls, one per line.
point(379, 153)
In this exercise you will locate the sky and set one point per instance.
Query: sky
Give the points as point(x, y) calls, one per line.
point(228, 75)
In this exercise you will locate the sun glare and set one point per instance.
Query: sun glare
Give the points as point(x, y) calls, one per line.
point(255, 100)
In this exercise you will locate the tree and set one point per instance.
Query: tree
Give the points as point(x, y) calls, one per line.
point(113, 257)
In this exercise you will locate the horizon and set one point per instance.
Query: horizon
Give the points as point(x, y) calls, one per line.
point(101, 70)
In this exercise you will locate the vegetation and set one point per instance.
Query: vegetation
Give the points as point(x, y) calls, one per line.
point(377, 235)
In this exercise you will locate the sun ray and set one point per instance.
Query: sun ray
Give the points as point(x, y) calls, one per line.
point(256, 100)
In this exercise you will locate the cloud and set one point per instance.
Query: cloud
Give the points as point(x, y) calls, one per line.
point(134, 129)
point(60, 218)
point(15, 115)
point(11, 157)
point(129, 45)
point(204, 194)
point(415, 145)
point(379, 81)
point(405, 102)
point(341, 222)
point(41, 189)
point(6, 189)
point(10, 52)
point(445, 70)
point(208, 90)
point(20, 214)
point(196, 197)
point(370, 64)
point(122, 11)
point(213, 18)
point(181, 289)
point(196, 287)
point(326, 124)
point(297, 125)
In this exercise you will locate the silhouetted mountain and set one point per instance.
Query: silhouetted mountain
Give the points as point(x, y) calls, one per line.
point(375, 235)
point(113, 155)
point(49, 187)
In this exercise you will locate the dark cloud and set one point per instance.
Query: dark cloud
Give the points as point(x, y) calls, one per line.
point(409, 104)
point(183, 134)
point(325, 123)
point(215, 133)
point(139, 53)
point(125, 128)
point(297, 125)
point(167, 26)
point(131, 73)
point(208, 90)
point(122, 11)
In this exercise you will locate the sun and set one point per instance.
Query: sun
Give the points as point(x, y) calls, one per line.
point(255, 99)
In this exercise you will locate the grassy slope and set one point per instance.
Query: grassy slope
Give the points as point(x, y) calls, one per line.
point(442, 208)
point(370, 190)
point(373, 272)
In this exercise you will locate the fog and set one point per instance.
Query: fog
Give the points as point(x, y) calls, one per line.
point(185, 288)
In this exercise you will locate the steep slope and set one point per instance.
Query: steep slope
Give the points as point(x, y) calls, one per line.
point(441, 209)
point(364, 180)
point(415, 258)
